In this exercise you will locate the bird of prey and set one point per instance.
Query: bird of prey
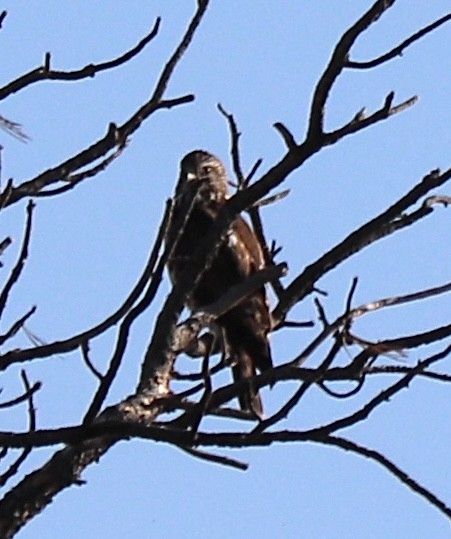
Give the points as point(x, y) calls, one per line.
point(200, 194)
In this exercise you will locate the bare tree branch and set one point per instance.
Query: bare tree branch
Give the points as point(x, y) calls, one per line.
point(372, 454)
point(338, 62)
point(149, 412)
point(234, 146)
point(14, 467)
point(17, 270)
point(383, 396)
point(85, 355)
point(373, 230)
point(217, 459)
point(67, 345)
point(21, 398)
point(398, 50)
point(45, 72)
point(118, 136)
point(19, 324)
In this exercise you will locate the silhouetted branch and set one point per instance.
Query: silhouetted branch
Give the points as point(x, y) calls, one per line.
point(394, 369)
point(360, 121)
point(21, 398)
point(29, 392)
point(67, 345)
point(85, 355)
point(337, 63)
point(286, 135)
point(4, 244)
point(74, 179)
point(19, 324)
point(217, 459)
point(374, 455)
point(397, 345)
point(5, 194)
point(398, 300)
point(234, 146)
point(253, 170)
point(45, 72)
point(98, 149)
point(382, 225)
point(345, 395)
point(294, 400)
point(129, 319)
point(202, 406)
point(398, 50)
point(383, 396)
point(17, 270)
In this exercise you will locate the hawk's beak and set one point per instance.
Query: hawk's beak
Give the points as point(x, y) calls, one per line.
point(191, 176)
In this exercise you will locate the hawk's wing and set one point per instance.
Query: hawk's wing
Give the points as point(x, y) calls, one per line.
point(245, 326)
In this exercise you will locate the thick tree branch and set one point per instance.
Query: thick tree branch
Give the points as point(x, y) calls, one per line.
point(136, 416)
point(338, 62)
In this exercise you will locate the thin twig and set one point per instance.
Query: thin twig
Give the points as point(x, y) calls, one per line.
point(395, 369)
point(67, 345)
point(74, 179)
point(21, 398)
point(121, 133)
point(374, 455)
point(14, 467)
point(234, 146)
point(217, 459)
point(14, 129)
point(122, 340)
point(367, 234)
point(398, 50)
point(4, 244)
point(399, 300)
point(205, 398)
point(337, 63)
point(271, 199)
point(299, 394)
point(383, 396)
point(19, 324)
point(44, 72)
point(286, 135)
point(85, 355)
point(17, 270)
point(346, 394)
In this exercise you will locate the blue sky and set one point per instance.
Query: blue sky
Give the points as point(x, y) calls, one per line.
point(261, 60)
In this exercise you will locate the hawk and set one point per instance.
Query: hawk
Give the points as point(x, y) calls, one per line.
point(201, 191)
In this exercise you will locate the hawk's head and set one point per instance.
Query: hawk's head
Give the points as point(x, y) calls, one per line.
point(202, 170)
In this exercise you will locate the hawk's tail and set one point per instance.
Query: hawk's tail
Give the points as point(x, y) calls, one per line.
point(249, 397)
point(245, 335)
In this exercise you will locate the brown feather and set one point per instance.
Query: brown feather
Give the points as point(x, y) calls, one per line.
point(247, 325)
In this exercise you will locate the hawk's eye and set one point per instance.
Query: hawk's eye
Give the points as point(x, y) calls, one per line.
point(207, 169)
